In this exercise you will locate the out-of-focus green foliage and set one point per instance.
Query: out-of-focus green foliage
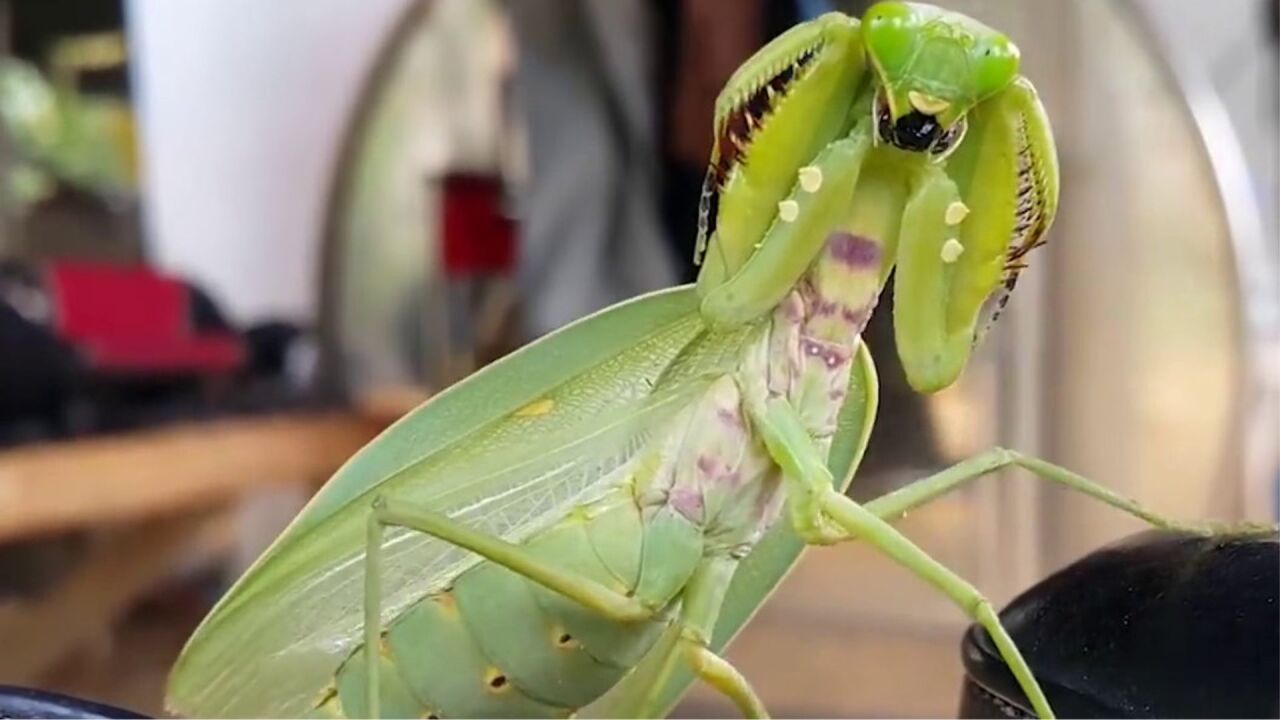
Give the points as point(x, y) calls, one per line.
point(59, 135)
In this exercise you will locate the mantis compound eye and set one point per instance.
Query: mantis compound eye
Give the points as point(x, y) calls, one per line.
point(949, 140)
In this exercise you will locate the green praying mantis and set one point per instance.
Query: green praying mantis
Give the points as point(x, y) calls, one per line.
point(580, 527)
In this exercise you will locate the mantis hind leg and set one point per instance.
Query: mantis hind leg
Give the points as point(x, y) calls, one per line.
point(390, 513)
point(896, 503)
point(862, 524)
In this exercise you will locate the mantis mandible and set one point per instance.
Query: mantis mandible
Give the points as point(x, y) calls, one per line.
point(581, 526)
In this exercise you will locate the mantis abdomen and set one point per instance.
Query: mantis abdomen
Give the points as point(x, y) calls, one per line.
point(496, 644)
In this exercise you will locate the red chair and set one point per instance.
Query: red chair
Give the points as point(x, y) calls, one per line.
point(132, 321)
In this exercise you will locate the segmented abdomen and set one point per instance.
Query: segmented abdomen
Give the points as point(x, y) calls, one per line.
point(498, 645)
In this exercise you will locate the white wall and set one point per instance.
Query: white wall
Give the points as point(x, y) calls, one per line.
point(243, 105)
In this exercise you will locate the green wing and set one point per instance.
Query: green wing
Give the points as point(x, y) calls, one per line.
point(508, 451)
point(762, 570)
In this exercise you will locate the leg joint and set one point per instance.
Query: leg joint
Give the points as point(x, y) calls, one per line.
point(1006, 455)
point(693, 635)
point(695, 654)
point(982, 609)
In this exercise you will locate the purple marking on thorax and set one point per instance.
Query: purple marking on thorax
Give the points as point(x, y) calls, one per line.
point(832, 355)
point(687, 502)
point(707, 465)
point(855, 251)
point(793, 307)
point(729, 418)
point(714, 470)
point(856, 318)
point(825, 308)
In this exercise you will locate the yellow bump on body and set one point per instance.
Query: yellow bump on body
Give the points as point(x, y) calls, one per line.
point(496, 681)
point(811, 178)
point(384, 647)
point(788, 210)
point(927, 104)
point(951, 251)
point(956, 213)
point(537, 408)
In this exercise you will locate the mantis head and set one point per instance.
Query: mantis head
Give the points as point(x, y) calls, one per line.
point(960, 151)
point(933, 67)
point(949, 87)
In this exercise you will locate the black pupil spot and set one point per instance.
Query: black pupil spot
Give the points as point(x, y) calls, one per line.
point(565, 639)
point(498, 681)
point(915, 131)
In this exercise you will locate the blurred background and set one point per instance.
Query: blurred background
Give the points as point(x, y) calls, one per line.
point(237, 239)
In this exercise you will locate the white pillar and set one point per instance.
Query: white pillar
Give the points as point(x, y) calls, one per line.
point(243, 105)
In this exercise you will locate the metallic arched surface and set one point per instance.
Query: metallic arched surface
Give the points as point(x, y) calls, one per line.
point(1257, 282)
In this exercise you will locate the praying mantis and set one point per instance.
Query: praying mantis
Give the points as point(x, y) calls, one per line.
point(581, 527)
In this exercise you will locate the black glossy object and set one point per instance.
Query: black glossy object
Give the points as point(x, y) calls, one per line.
point(1160, 625)
point(18, 702)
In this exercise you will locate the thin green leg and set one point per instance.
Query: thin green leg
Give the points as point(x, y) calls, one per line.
point(898, 502)
point(699, 610)
point(719, 674)
point(862, 524)
point(608, 603)
point(816, 508)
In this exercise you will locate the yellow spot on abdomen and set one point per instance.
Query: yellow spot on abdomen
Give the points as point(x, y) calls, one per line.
point(447, 604)
point(956, 213)
point(328, 694)
point(537, 408)
point(496, 681)
point(562, 639)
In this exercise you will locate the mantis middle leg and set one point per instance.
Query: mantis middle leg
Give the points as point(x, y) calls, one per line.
point(894, 504)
